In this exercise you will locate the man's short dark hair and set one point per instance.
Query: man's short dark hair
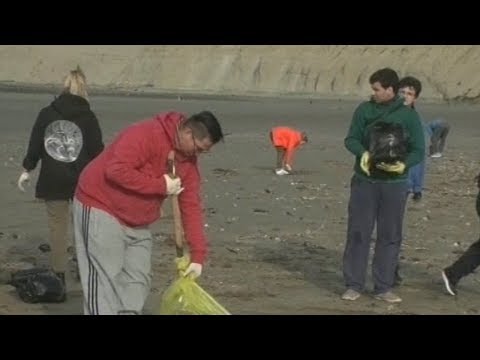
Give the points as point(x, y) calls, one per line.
point(386, 77)
point(410, 81)
point(205, 124)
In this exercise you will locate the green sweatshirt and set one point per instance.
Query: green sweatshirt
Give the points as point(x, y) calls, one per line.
point(357, 140)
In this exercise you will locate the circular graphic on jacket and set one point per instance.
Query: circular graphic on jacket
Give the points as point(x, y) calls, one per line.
point(63, 140)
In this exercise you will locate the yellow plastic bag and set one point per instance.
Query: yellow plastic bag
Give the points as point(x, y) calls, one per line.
point(185, 297)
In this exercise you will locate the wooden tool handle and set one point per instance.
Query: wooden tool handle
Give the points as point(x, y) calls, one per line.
point(177, 216)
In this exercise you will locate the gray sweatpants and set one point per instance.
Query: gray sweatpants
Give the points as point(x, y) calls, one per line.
point(383, 203)
point(114, 262)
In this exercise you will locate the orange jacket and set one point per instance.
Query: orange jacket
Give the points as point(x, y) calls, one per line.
point(288, 139)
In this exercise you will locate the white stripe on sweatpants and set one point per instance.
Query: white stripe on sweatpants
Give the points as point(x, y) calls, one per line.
point(114, 262)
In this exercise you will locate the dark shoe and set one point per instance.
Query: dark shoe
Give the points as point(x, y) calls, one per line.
point(450, 285)
point(44, 248)
point(61, 276)
point(417, 196)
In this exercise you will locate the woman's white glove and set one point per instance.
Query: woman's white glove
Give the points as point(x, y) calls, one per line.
point(23, 179)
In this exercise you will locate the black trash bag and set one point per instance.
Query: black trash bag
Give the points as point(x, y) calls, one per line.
point(388, 144)
point(39, 286)
point(22, 276)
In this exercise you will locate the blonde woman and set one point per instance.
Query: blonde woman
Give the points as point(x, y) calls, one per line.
point(66, 136)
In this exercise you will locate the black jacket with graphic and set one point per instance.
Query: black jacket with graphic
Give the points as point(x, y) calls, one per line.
point(66, 136)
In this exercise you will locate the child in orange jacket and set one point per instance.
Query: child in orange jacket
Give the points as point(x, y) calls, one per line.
point(286, 141)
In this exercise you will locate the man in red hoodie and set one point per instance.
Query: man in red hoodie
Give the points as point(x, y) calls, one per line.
point(119, 194)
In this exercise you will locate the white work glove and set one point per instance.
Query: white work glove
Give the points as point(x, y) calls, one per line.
point(174, 186)
point(194, 269)
point(24, 178)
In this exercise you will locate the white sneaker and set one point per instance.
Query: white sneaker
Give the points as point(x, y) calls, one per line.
point(436, 155)
point(449, 285)
point(389, 296)
point(351, 295)
point(281, 172)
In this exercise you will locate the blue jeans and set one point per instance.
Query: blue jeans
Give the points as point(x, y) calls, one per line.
point(416, 177)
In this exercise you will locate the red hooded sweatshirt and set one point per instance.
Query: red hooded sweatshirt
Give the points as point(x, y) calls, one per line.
point(126, 179)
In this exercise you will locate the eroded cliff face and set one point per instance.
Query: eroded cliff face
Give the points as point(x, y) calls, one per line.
point(447, 72)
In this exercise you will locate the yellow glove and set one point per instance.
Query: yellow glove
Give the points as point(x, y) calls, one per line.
point(398, 167)
point(365, 162)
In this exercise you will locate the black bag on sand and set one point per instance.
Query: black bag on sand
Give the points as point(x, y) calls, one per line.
point(39, 286)
point(388, 144)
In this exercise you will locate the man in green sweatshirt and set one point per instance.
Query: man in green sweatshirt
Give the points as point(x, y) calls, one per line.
point(378, 191)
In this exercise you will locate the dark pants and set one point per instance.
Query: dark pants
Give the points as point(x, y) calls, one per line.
point(383, 203)
point(466, 264)
point(439, 138)
point(280, 154)
point(469, 260)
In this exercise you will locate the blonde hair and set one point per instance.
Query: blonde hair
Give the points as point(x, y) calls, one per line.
point(76, 83)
